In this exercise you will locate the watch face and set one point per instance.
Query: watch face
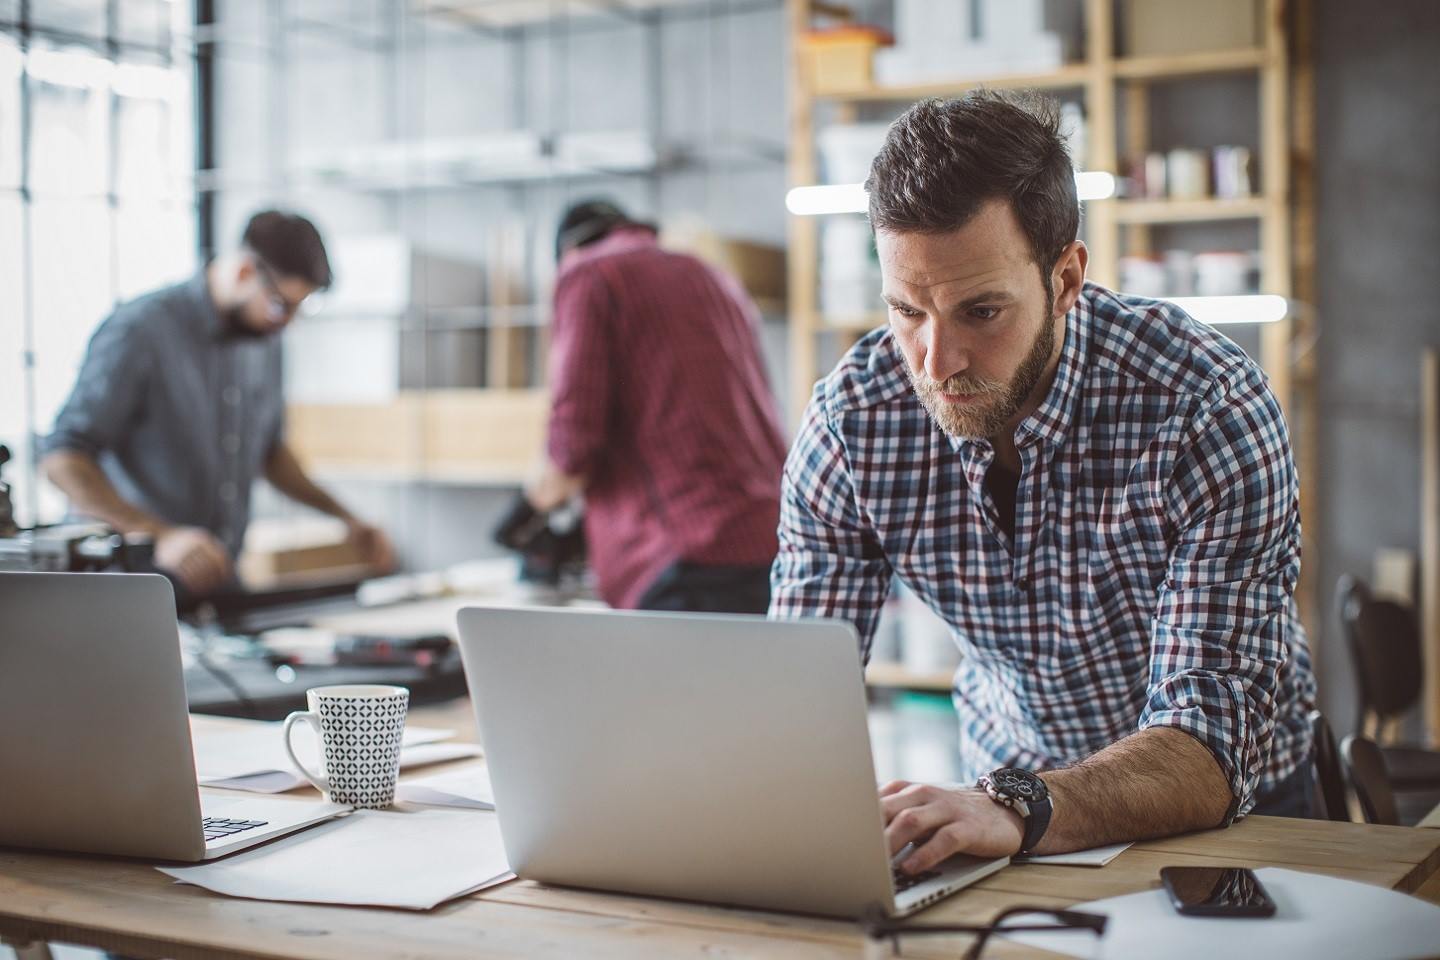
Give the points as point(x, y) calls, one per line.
point(1020, 784)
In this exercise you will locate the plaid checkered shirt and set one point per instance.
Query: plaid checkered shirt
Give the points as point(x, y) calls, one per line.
point(1150, 581)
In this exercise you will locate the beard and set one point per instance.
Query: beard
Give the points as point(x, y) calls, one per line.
point(995, 402)
point(237, 327)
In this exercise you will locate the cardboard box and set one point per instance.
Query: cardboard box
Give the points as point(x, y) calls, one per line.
point(483, 434)
point(288, 552)
point(1153, 28)
point(839, 60)
point(450, 435)
point(759, 267)
point(384, 435)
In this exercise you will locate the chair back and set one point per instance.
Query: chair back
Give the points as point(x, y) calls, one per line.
point(1383, 637)
point(1366, 766)
point(1387, 638)
point(1329, 774)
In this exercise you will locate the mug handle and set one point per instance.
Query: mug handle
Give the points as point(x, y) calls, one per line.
point(320, 782)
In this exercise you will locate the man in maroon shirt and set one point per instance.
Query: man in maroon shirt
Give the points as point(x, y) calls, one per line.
point(662, 416)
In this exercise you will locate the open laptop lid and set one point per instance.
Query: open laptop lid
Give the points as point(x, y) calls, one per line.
point(95, 751)
point(715, 758)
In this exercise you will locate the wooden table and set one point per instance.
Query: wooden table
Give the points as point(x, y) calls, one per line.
point(133, 909)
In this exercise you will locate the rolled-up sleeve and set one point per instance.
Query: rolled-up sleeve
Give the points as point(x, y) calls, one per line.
point(580, 371)
point(1221, 632)
point(830, 564)
point(109, 391)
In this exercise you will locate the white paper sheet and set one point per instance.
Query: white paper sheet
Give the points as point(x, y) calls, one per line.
point(369, 858)
point(1316, 917)
point(279, 781)
point(468, 787)
point(1094, 857)
point(252, 757)
point(242, 748)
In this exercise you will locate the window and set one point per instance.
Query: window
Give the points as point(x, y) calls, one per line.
point(97, 194)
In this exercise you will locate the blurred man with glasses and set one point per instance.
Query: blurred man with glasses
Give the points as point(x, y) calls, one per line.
point(179, 406)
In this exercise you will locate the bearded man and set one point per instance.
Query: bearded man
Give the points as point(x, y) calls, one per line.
point(1094, 490)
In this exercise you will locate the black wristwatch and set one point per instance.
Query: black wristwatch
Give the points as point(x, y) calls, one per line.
point(1026, 794)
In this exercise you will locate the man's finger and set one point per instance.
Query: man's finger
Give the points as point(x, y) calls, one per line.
point(893, 787)
point(945, 842)
point(910, 795)
point(913, 823)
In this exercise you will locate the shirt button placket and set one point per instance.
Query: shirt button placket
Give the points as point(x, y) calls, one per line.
point(230, 427)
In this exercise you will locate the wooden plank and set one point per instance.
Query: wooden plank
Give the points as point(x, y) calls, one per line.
point(1287, 842)
point(133, 909)
point(128, 907)
point(1070, 76)
point(1430, 536)
point(1137, 144)
point(1082, 885)
point(505, 359)
point(1275, 178)
point(1190, 211)
point(803, 260)
point(1183, 65)
point(1305, 428)
point(1102, 236)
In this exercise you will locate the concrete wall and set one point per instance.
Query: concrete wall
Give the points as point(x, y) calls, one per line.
point(1378, 160)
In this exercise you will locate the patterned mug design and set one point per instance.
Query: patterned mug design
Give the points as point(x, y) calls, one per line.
point(360, 729)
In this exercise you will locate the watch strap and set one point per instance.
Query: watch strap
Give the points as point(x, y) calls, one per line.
point(1036, 824)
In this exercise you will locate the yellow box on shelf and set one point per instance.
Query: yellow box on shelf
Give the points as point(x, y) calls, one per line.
point(840, 60)
point(454, 436)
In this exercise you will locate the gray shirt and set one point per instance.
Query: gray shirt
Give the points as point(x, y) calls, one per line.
point(179, 412)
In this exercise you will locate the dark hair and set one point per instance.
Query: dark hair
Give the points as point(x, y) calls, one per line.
point(586, 222)
point(943, 159)
point(290, 245)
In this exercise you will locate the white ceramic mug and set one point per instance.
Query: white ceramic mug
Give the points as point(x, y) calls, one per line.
point(360, 728)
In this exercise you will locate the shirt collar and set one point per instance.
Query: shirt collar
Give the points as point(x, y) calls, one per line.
point(630, 237)
point(1050, 421)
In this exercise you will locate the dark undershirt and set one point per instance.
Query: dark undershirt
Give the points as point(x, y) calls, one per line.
point(1002, 486)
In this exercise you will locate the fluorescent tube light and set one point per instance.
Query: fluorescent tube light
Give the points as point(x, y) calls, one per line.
point(837, 198)
point(1094, 184)
point(1257, 308)
point(851, 197)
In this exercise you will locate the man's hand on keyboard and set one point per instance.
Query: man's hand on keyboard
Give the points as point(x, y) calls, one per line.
point(942, 821)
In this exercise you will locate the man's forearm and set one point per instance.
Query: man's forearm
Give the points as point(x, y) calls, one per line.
point(286, 474)
point(80, 478)
point(1154, 783)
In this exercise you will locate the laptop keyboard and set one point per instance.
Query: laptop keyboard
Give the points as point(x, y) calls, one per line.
point(904, 881)
point(221, 828)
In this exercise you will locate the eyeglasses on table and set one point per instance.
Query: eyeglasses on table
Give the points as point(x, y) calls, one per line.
point(884, 937)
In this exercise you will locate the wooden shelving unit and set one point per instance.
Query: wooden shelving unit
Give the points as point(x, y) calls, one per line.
point(1188, 211)
point(1283, 202)
point(1067, 76)
point(1190, 64)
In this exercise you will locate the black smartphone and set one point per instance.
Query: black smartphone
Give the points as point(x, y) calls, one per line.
point(1216, 892)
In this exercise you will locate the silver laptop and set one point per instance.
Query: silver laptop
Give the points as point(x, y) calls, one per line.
point(716, 758)
point(95, 752)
